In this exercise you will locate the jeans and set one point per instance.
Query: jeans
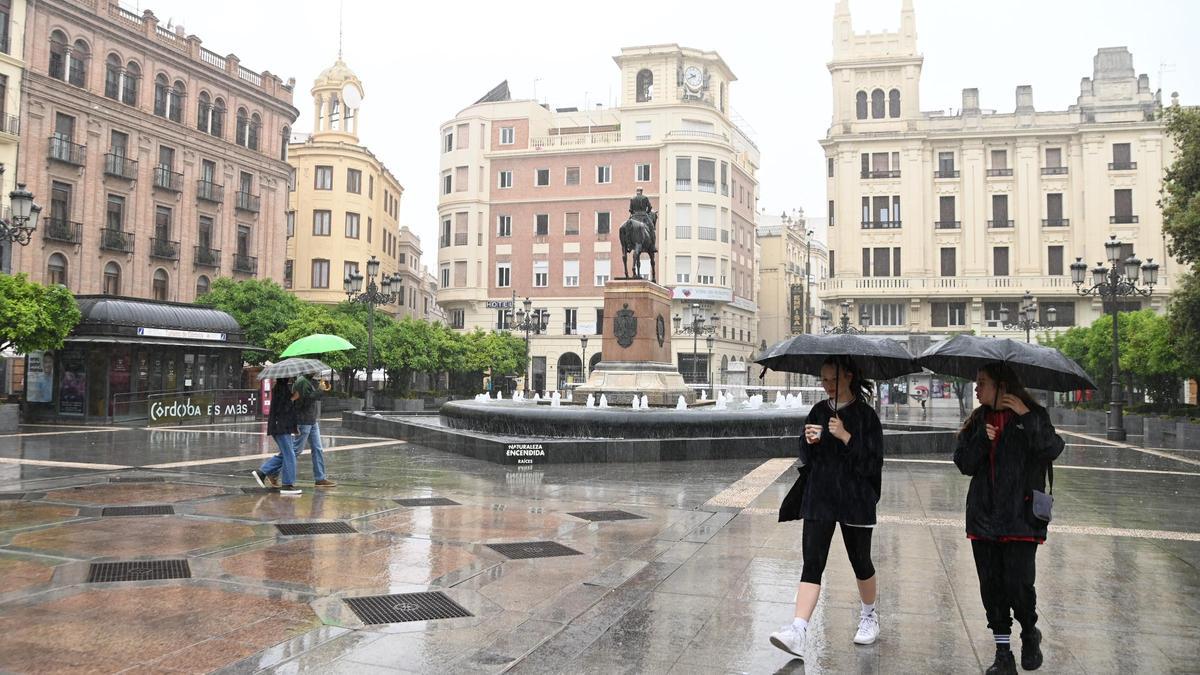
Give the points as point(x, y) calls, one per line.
point(312, 433)
point(284, 462)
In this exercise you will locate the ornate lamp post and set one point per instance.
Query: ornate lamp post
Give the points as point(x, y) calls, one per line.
point(531, 321)
point(24, 218)
point(710, 341)
point(1027, 317)
point(844, 326)
point(696, 328)
point(807, 279)
point(583, 343)
point(1119, 279)
point(374, 295)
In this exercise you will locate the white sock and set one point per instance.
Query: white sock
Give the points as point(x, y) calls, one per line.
point(868, 610)
point(800, 624)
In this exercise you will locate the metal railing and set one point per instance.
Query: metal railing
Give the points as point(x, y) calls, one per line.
point(210, 191)
point(706, 186)
point(880, 224)
point(1055, 222)
point(66, 150)
point(116, 240)
point(1054, 170)
point(61, 229)
point(683, 231)
point(207, 257)
point(946, 174)
point(167, 179)
point(1123, 219)
point(164, 248)
point(574, 140)
point(999, 172)
point(120, 166)
point(697, 133)
point(1121, 166)
point(683, 184)
point(245, 264)
point(706, 233)
point(460, 238)
point(947, 224)
point(10, 124)
point(999, 223)
point(880, 174)
point(248, 202)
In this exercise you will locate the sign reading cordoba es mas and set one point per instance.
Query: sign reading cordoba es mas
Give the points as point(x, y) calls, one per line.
point(701, 293)
point(142, 331)
point(233, 403)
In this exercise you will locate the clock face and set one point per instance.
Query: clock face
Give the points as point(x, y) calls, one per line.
point(693, 78)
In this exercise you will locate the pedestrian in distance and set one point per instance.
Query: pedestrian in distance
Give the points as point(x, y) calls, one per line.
point(281, 424)
point(1007, 447)
point(839, 485)
point(306, 395)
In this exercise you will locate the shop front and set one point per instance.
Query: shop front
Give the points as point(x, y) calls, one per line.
point(130, 359)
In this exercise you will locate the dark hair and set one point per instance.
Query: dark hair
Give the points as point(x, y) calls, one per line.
point(1005, 378)
point(282, 385)
point(861, 388)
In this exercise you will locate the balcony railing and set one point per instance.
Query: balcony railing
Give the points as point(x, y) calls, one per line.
point(64, 150)
point(706, 233)
point(246, 264)
point(683, 184)
point(207, 257)
point(880, 224)
point(683, 231)
point(59, 229)
point(460, 238)
point(167, 179)
point(164, 248)
point(210, 191)
point(945, 174)
point(880, 174)
point(1054, 170)
point(1121, 166)
point(1056, 222)
point(707, 186)
point(1123, 219)
point(999, 224)
point(116, 240)
point(248, 202)
point(120, 166)
point(443, 241)
point(947, 224)
point(999, 172)
point(10, 124)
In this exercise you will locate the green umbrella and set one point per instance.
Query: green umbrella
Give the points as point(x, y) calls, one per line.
point(316, 344)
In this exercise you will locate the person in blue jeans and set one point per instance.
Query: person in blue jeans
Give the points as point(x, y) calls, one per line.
point(306, 395)
point(281, 424)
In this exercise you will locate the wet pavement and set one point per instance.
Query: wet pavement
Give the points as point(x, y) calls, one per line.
point(693, 584)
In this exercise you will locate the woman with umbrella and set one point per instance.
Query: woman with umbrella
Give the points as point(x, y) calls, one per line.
point(281, 424)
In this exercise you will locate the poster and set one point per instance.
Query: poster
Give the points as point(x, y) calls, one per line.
point(39, 377)
point(937, 388)
point(72, 388)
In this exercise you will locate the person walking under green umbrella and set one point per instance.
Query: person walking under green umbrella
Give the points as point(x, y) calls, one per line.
point(307, 396)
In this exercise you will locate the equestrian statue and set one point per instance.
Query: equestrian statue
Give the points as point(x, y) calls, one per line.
point(639, 235)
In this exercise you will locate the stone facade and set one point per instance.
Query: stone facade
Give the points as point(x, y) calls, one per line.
point(788, 247)
point(12, 70)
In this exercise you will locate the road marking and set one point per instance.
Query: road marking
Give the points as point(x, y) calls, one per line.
point(1156, 453)
point(93, 430)
point(750, 486)
point(65, 465)
point(240, 458)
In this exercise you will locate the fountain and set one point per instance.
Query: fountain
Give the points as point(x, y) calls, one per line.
point(591, 401)
point(603, 402)
point(681, 404)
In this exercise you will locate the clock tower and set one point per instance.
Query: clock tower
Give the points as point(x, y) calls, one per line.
point(668, 74)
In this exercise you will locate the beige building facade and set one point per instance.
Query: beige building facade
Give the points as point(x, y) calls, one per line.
point(158, 162)
point(12, 70)
point(532, 198)
point(939, 220)
point(787, 295)
point(345, 205)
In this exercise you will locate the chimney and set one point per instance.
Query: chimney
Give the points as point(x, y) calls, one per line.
point(1024, 98)
point(970, 101)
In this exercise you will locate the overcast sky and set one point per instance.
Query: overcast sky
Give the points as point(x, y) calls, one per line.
point(422, 63)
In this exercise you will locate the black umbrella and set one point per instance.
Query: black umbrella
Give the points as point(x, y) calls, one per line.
point(1037, 367)
point(877, 358)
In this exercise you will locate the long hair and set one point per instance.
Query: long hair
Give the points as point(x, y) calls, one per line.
point(1005, 378)
point(281, 393)
point(860, 388)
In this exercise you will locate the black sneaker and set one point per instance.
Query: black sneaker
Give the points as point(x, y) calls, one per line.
point(1031, 650)
point(289, 491)
point(1005, 663)
point(260, 478)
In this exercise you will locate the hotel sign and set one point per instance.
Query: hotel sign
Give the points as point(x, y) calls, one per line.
point(499, 304)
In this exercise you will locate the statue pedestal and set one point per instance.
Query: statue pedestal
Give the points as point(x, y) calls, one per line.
point(636, 354)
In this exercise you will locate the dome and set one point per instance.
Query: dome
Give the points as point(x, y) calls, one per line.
point(337, 73)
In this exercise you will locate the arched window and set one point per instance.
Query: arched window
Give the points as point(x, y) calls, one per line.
point(645, 85)
point(877, 104)
point(56, 269)
point(77, 68)
point(243, 127)
point(161, 87)
point(894, 103)
point(204, 112)
point(201, 285)
point(285, 138)
point(218, 118)
point(252, 137)
point(160, 284)
point(175, 99)
point(129, 89)
point(860, 105)
point(112, 77)
point(58, 55)
point(112, 279)
point(570, 370)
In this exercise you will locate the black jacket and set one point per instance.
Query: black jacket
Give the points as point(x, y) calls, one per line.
point(844, 481)
point(1001, 507)
point(282, 418)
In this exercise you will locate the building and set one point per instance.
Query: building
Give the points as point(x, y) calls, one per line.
point(159, 163)
point(12, 70)
point(994, 203)
point(791, 253)
point(345, 205)
point(532, 199)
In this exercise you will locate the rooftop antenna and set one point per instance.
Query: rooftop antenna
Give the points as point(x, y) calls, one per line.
point(1164, 67)
point(340, 6)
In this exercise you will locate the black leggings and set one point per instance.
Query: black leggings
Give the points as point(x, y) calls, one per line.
point(816, 539)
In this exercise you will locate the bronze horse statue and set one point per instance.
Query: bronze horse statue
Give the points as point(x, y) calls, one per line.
point(638, 237)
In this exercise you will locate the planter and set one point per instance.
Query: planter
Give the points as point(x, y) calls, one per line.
point(340, 404)
point(10, 416)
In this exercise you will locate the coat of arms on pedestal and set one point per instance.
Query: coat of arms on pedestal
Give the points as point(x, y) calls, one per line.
point(625, 326)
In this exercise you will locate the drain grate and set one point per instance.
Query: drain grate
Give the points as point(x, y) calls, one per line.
point(427, 501)
point(294, 529)
point(606, 515)
point(11, 495)
point(141, 570)
point(402, 607)
point(532, 549)
point(136, 479)
point(165, 510)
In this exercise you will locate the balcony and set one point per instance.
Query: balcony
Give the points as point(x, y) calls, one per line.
point(999, 224)
point(248, 202)
point(64, 150)
point(880, 174)
point(120, 166)
point(707, 186)
point(706, 233)
point(167, 179)
point(164, 249)
point(60, 229)
point(1054, 170)
point(1122, 166)
point(460, 238)
point(683, 231)
point(1123, 219)
point(444, 241)
point(210, 191)
point(947, 224)
point(881, 225)
point(245, 264)
point(999, 172)
point(10, 124)
point(683, 184)
point(1056, 222)
point(116, 240)
point(945, 174)
point(204, 256)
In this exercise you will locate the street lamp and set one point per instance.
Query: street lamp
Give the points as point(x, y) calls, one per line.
point(807, 279)
point(845, 328)
point(696, 328)
point(374, 295)
point(531, 321)
point(710, 341)
point(1120, 278)
point(583, 343)
point(24, 217)
point(1027, 317)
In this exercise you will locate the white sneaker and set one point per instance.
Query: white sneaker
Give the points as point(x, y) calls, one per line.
point(868, 629)
point(790, 639)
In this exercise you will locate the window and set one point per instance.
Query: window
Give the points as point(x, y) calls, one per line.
point(354, 181)
point(56, 270)
point(1123, 207)
point(599, 321)
point(447, 183)
point(570, 273)
point(894, 103)
point(945, 165)
point(829, 167)
point(503, 226)
point(503, 275)
point(115, 215)
point(683, 269)
point(463, 136)
point(706, 270)
point(572, 175)
point(77, 68)
point(445, 276)
point(352, 221)
point(706, 170)
point(946, 314)
point(885, 314)
point(999, 164)
point(946, 213)
point(161, 87)
point(502, 319)
point(371, 187)
point(571, 224)
point(291, 224)
point(1053, 158)
point(683, 221)
point(831, 212)
point(1054, 209)
point(999, 212)
point(320, 273)
point(204, 234)
point(860, 105)
point(58, 55)
point(505, 180)
point(162, 226)
point(1064, 313)
point(883, 262)
point(877, 104)
point(642, 130)
point(202, 283)
point(683, 173)
point(507, 135)
point(541, 224)
point(949, 262)
point(323, 178)
point(460, 273)
point(603, 222)
point(322, 223)
point(112, 77)
point(1054, 260)
point(448, 141)
point(603, 271)
point(458, 318)
point(645, 85)
point(541, 273)
point(542, 178)
point(1000, 261)
point(444, 239)
point(159, 285)
point(1122, 159)
point(707, 229)
point(255, 127)
point(992, 312)
point(832, 265)
point(641, 173)
point(285, 137)
point(60, 204)
point(112, 279)
point(604, 174)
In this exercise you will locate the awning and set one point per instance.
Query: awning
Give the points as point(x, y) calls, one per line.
point(164, 342)
point(111, 319)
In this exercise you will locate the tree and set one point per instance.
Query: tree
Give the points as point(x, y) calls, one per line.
point(1181, 185)
point(260, 306)
point(1147, 356)
point(34, 317)
point(313, 318)
point(1184, 318)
